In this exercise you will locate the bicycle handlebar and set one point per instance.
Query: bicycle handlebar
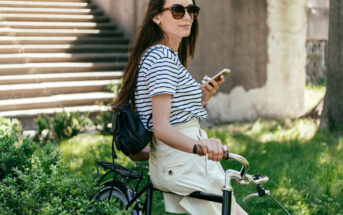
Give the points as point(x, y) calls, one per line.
point(246, 178)
point(240, 159)
point(232, 156)
point(242, 175)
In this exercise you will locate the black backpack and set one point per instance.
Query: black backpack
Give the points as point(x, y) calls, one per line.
point(129, 133)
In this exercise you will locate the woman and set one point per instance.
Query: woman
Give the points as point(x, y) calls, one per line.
point(166, 90)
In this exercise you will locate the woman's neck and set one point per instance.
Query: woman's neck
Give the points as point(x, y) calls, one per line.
point(171, 43)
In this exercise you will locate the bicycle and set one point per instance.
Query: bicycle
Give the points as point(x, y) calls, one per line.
point(127, 186)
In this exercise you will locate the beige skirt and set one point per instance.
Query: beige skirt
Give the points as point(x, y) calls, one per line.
point(182, 173)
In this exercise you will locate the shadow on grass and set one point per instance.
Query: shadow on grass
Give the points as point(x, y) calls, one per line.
point(304, 166)
point(306, 176)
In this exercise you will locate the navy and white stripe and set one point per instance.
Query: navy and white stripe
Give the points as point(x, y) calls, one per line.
point(161, 72)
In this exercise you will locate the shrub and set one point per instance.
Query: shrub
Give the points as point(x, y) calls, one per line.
point(8, 126)
point(103, 121)
point(61, 126)
point(12, 156)
point(36, 182)
point(115, 88)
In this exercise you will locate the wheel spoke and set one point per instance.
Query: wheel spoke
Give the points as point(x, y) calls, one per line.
point(117, 196)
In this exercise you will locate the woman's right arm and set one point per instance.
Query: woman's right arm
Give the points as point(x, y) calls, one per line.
point(161, 106)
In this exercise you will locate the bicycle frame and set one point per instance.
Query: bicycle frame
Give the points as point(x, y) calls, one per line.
point(225, 199)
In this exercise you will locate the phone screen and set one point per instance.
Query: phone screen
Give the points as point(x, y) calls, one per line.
point(223, 72)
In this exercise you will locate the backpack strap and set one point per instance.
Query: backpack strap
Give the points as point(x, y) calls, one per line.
point(148, 122)
point(132, 94)
point(114, 155)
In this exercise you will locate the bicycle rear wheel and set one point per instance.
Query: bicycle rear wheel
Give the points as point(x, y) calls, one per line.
point(120, 193)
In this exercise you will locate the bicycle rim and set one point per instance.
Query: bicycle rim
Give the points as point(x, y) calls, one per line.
point(119, 196)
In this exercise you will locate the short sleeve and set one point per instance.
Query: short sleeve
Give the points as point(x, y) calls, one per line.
point(162, 77)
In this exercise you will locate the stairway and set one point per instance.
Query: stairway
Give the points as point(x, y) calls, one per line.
point(57, 55)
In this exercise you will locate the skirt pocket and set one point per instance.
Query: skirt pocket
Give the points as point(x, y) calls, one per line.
point(173, 170)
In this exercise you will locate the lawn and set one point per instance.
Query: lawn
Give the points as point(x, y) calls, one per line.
point(305, 166)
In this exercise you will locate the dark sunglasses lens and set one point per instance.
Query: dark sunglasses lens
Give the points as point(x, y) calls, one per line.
point(193, 11)
point(178, 11)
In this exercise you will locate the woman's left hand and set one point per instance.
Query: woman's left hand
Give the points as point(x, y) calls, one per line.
point(209, 88)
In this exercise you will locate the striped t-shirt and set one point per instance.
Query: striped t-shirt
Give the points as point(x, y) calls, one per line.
point(161, 72)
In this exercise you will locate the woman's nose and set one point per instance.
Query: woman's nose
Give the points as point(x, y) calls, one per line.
point(187, 16)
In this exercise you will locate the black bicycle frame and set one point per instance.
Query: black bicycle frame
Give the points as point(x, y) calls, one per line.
point(225, 199)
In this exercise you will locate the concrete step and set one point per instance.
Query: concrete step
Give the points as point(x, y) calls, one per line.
point(60, 32)
point(62, 57)
point(66, 48)
point(32, 113)
point(53, 17)
point(27, 116)
point(47, 4)
point(61, 40)
point(52, 88)
point(56, 53)
point(57, 0)
point(39, 68)
point(61, 100)
point(58, 77)
point(58, 25)
point(65, 11)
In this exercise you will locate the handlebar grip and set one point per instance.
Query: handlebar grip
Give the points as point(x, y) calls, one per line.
point(200, 152)
point(227, 155)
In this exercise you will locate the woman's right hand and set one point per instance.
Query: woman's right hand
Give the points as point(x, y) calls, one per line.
point(213, 147)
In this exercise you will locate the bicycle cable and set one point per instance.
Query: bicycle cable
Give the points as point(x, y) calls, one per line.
point(283, 208)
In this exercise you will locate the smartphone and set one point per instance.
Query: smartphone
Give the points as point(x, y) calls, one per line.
point(223, 72)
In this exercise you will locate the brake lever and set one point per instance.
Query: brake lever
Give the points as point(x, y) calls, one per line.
point(260, 192)
point(250, 196)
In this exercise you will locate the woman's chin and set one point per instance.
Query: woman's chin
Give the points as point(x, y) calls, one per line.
point(186, 34)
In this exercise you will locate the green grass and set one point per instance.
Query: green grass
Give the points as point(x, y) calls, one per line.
point(81, 153)
point(304, 165)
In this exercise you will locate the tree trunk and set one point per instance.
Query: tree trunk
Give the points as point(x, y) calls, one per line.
point(332, 116)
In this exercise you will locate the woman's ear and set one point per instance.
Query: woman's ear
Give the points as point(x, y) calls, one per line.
point(156, 19)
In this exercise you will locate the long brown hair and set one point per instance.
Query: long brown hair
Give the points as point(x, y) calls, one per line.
point(150, 34)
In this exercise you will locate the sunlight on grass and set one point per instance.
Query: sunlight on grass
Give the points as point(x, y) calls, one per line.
point(267, 130)
point(340, 145)
point(312, 95)
point(82, 152)
point(300, 204)
point(325, 157)
point(304, 165)
point(301, 130)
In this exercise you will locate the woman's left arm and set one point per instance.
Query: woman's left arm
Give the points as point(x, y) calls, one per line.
point(210, 88)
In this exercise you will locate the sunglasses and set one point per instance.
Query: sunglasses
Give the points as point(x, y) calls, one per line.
point(178, 11)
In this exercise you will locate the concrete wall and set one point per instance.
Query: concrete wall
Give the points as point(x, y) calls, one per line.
point(282, 96)
point(233, 34)
point(128, 14)
point(262, 41)
point(318, 19)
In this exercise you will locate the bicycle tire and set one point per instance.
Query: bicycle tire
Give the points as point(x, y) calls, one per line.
point(120, 192)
